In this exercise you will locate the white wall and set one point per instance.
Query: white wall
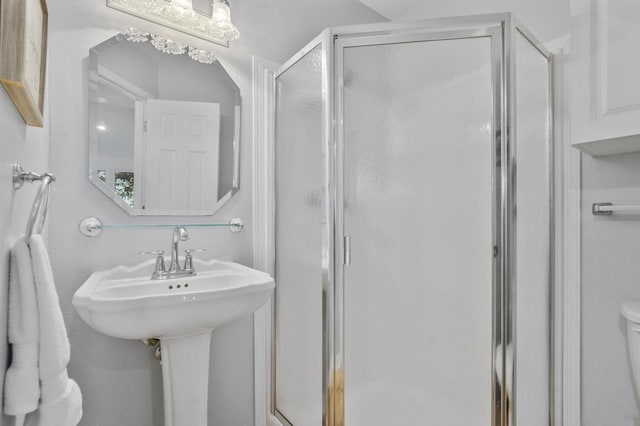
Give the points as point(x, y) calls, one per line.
point(605, 104)
point(126, 61)
point(120, 380)
point(610, 274)
point(28, 146)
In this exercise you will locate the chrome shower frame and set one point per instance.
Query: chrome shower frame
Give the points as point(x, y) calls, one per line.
point(502, 29)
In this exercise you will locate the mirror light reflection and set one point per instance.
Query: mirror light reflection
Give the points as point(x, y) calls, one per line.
point(163, 130)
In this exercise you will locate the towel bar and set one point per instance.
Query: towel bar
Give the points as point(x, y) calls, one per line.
point(92, 226)
point(607, 209)
point(41, 201)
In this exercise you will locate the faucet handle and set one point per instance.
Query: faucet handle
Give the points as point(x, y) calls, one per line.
point(158, 252)
point(189, 251)
point(188, 260)
point(160, 268)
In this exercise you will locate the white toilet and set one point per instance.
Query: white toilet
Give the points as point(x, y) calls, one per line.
point(631, 312)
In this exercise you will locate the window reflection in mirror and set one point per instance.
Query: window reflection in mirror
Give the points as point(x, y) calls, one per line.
point(163, 130)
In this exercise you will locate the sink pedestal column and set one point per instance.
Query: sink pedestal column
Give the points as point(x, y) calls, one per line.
point(185, 378)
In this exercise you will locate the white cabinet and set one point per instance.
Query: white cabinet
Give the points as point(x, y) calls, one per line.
point(605, 76)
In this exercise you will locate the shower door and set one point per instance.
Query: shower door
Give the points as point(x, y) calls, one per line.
point(301, 216)
point(413, 227)
point(418, 145)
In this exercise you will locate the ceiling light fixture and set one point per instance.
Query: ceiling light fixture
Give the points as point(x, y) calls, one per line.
point(180, 15)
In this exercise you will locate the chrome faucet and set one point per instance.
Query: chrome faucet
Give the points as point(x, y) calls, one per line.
point(175, 270)
point(179, 234)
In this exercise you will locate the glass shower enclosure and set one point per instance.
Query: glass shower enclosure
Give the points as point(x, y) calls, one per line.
point(413, 227)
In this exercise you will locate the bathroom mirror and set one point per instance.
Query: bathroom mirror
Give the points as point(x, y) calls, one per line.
point(163, 127)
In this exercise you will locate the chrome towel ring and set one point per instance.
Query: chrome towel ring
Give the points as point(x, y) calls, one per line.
point(40, 206)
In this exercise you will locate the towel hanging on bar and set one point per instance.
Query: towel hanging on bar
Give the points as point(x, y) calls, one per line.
point(40, 205)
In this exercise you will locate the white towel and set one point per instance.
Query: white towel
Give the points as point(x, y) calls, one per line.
point(58, 398)
point(21, 386)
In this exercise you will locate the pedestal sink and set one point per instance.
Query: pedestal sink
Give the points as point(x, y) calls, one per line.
point(182, 312)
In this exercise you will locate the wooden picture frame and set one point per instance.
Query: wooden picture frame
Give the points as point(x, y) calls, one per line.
point(23, 54)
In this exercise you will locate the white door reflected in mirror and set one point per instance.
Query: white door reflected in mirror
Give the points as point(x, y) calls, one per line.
point(181, 141)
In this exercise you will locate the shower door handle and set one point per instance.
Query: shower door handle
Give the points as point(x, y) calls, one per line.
point(347, 251)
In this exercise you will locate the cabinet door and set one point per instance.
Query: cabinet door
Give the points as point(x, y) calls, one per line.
point(605, 62)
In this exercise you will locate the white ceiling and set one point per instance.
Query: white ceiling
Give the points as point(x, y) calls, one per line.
point(547, 19)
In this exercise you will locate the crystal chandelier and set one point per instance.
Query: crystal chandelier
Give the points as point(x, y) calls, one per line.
point(180, 15)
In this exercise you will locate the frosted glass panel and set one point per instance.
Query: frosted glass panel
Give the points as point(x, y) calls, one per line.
point(418, 208)
point(299, 219)
point(532, 265)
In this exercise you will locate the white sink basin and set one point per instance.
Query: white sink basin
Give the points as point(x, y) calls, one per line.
point(124, 302)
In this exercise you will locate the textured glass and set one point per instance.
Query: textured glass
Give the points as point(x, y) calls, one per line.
point(299, 220)
point(418, 208)
point(533, 234)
